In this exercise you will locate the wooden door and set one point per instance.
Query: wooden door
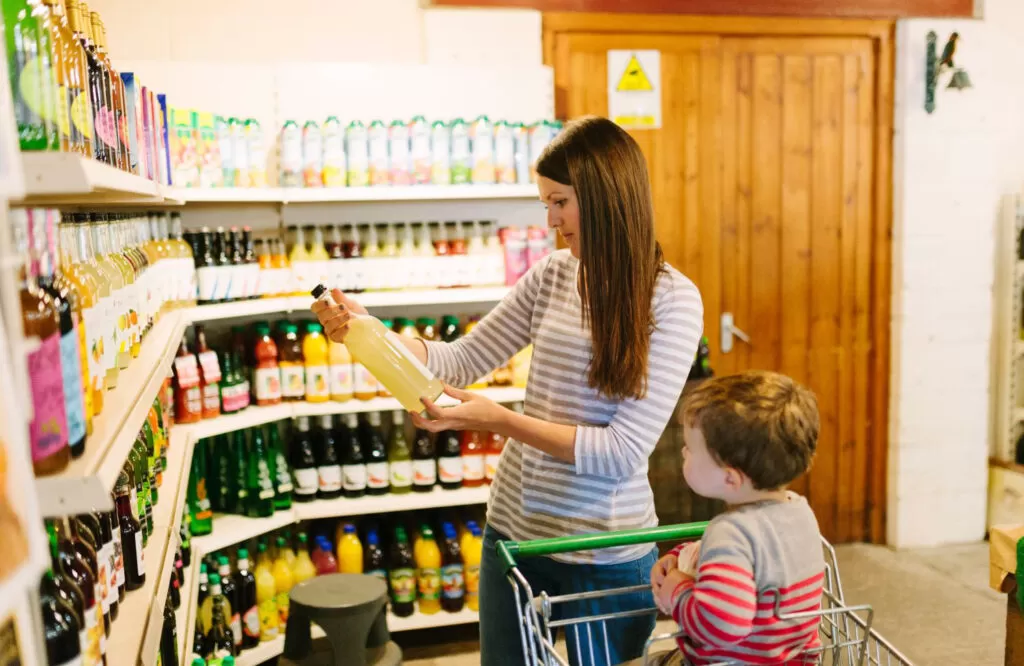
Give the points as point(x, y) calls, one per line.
point(764, 175)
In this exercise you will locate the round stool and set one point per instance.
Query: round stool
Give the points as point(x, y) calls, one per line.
point(352, 611)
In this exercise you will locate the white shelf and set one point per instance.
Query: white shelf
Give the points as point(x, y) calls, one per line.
point(255, 416)
point(140, 621)
point(87, 481)
point(68, 178)
point(374, 504)
point(372, 299)
point(285, 195)
point(268, 650)
point(229, 530)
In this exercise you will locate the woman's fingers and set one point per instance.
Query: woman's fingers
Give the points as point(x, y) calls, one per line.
point(428, 424)
point(433, 410)
point(457, 393)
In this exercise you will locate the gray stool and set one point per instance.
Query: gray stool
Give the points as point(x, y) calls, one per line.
point(352, 611)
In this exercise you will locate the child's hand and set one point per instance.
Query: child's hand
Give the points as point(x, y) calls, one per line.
point(660, 569)
point(663, 595)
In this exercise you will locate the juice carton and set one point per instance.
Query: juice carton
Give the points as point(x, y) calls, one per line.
point(440, 154)
point(255, 145)
point(333, 170)
point(291, 154)
point(482, 142)
point(541, 134)
point(400, 167)
point(239, 151)
point(522, 153)
point(163, 146)
point(357, 151)
point(379, 162)
point(134, 138)
point(504, 153)
point(149, 132)
point(461, 159)
point(419, 148)
point(183, 149)
point(222, 131)
point(312, 155)
point(211, 172)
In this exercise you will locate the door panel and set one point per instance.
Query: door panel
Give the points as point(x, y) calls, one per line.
point(762, 176)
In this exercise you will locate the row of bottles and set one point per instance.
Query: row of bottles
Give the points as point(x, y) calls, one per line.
point(208, 150)
point(256, 366)
point(91, 287)
point(414, 153)
point(253, 473)
point(69, 97)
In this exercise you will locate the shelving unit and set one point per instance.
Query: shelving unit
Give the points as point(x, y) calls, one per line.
point(70, 179)
point(296, 195)
point(87, 481)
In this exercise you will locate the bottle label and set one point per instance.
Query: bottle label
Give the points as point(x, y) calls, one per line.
point(48, 430)
point(71, 371)
point(491, 463)
point(236, 627)
point(266, 489)
point(355, 477)
point(110, 550)
point(268, 619)
point(377, 475)
point(93, 629)
point(330, 478)
point(429, 580)
point(472, 579)
point(207, 276)
point(234, 398)
point(93, 320)
point(403, 585)
point(211, 367)
point(268, 383)
point(317, 385)
point(306, 481)
point(452, 581)
point(187, 371)
point(449, 469)
point(365, 381)
point(293, 380)
point(103, 578)
point(284, 479)
point(119, 561)
point(282, 608)
point(211, 398)
point(139, 554)
point(341, 380)
point(424, 472)
point(251, 622)
point(401, 473)
point(473, 467)
point(404, 351)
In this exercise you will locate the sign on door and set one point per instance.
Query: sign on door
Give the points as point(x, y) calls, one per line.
point(634, 89)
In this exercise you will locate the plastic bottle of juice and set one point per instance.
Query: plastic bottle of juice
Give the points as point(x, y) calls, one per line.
point(350, 551)
point(266, 591)
point(453, 592)
point(428, 571)
point(320, 259)
point(472, 549)
point(473, 464)
point(402, 575)
point(284, 277)
point(283, 580)
point(267, 374)
point(323, 557)
point(303, 568)
point(494, 444)
point(290, 360)
point(339, 361)
point(300, 261)
point(315, 356)
point(466, 533)
point(391, 274)
point(380, 350)
point(382, 390)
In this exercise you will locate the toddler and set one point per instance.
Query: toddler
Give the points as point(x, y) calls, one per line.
point(746, 437)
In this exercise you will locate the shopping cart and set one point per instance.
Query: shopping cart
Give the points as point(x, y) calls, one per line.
point(846, 635)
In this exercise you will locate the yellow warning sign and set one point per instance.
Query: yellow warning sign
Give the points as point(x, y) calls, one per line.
point(634, 79)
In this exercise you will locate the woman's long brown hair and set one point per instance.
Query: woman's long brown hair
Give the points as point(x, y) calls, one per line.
point(619, 258)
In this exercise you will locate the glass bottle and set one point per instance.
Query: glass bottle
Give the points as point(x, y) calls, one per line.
point(30, 67)
point(186, 257)
point(402, 575)
point(188, 395)
point(201, 516)
point(80, 272)
point(108, 551)
point(65, 590)
point(290, 360)
point(58, 58)
point(118, 558)
point(353, 463)
point(303, 459)
point(378, 475)
point(87, 530)
point(48, 434)
point(61, 626)
point(230, 592)
point(95, 85)
point(245, 584)
point(280, 472)
point(77, 94)
point(169, 637)
point(267, 373)
point(117, 118)
point(352, 250)
point(473, 464)
point(125, 260)
point(494, 444)
point(102, 338)
point(120, 286)
point(77, 565)
point(424, 463)
point(259, 483)
point(238, 499)
point(328, 460)
point(104, 122)
point(209, 374)
point(399, 455)
point(131, 536)
point(449, 460)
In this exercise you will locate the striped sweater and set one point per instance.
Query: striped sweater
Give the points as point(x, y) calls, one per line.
point(749, 556)
point(535, 495)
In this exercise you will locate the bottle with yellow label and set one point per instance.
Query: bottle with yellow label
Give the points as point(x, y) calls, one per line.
point(266, 593)
point(428, 571)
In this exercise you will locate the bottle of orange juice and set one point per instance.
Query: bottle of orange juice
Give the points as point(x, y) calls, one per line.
point(472, 547)
point(303, 568)
point(283, 579)
point(266, 591)
point(282, 276)
point(350, 550)
point(428, 571)
point(314, 352)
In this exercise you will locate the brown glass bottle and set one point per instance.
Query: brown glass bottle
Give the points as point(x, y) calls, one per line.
point(48, 430)
point(88, 531)
point(76, 566)
point(97, 93)
point(131, 536)
point(117, 94)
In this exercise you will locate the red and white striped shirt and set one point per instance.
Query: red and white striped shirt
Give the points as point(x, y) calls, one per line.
point(751, 557)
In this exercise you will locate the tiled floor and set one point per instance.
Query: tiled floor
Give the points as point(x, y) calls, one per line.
point(933, 605)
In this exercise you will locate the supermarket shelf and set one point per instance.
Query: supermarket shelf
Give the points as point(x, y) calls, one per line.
point(140, 622)
point(344, 506)
point(229, 530)
point(87, 481)
point(254, 416)
point(270, 649)
point(373, 299)
point(66, 178)
point(284, 195)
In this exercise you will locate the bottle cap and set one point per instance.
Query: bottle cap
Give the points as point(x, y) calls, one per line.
point(222, 560)
point(349, 528)
point(214, 579)
point(302, 537)
point(318, 291)
point(372, 538)
point(243, 553)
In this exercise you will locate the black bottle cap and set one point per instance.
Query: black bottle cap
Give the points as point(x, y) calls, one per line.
point(318, 291)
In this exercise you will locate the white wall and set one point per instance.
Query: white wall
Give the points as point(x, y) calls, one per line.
point(951, 170)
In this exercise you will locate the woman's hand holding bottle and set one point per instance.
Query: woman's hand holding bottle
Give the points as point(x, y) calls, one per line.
point(335, 318)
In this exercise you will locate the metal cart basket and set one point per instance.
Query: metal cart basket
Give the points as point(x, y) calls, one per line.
point(846, 635)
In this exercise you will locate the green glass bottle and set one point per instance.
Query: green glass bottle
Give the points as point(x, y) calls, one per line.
point(260, 485)
point(279, 470)
point(218, 465)
point(239, 495)
point(399, 455)
point(151, 459)
point(33, 81)
point(201, 516)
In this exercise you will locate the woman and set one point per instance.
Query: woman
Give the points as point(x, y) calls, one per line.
point(614, 330)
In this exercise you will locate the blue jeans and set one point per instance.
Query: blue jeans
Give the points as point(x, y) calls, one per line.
point(500, 639)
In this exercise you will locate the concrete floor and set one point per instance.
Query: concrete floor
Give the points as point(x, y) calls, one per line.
point(933, 605)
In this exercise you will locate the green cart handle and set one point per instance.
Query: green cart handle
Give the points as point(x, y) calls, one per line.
point(508, 551)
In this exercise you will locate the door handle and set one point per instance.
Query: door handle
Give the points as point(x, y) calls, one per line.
point(729, 330)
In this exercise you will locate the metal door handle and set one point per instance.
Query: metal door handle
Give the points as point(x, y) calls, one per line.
point(729, 330)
